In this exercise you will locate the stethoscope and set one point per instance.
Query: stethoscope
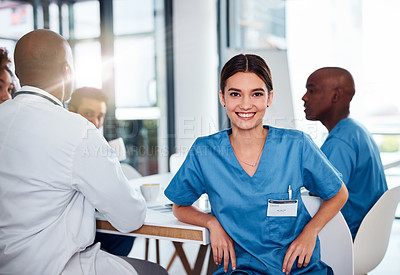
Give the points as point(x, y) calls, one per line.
point(38, 94)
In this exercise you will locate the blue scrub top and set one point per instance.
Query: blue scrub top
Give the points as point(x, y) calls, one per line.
point(353, 151)
point(240, 202)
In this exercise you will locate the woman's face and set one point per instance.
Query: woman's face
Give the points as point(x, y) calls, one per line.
point(246, 99)
point(6, 85)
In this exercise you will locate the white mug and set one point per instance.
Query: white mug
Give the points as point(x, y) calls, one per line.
point(150, 191)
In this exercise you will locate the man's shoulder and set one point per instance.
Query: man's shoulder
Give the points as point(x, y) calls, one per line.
point(349, 129)
point(350, 133)
point(70, 125)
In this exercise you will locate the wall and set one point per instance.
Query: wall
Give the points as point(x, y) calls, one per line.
point(196, 70)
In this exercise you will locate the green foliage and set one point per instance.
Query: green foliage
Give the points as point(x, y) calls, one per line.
point(390, 143)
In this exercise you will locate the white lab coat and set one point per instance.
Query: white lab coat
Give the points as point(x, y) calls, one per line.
point(55, 169)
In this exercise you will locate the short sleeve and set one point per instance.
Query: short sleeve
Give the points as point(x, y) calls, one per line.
point(188, 183)
point(341, 155)
point(319, 175)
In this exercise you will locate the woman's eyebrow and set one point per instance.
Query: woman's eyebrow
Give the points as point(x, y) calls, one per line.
point(258, 89)
point(253, 90)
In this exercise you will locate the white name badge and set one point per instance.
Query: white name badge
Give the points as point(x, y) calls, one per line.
point(282, 208)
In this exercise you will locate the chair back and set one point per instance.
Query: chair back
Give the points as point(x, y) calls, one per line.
point(335, 240)
point(175, 162)
point(130, 172)
point(372, 239)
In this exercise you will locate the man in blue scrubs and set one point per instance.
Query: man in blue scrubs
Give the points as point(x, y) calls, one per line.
point(349, 146)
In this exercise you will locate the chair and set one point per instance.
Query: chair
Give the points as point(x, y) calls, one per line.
point(335, 240)
point(130, 172)
point(371, 241)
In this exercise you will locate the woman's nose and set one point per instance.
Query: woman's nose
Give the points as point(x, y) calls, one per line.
point(246, 103)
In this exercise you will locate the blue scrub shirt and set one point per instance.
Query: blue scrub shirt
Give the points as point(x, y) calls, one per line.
point(240, 202)
point(353, 151)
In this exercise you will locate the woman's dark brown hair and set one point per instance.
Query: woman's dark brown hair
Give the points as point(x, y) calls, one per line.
point(246, 63)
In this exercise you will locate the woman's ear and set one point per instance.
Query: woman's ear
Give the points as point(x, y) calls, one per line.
point(270, 98)
point(222, 98)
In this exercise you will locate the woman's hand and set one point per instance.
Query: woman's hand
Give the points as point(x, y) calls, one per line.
point(221, 244)
point(302, 248)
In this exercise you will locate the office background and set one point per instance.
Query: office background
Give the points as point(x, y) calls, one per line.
point(159, 62)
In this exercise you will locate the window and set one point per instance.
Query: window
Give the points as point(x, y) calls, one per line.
point(133, 16)
point(86, 19)
point(87, 55)
point(138, 64)
point(257, 24)
point(360, 40)
point(135, 72)
point(16, 19)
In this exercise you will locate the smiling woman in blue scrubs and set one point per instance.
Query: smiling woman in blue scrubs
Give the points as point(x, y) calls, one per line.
point(253, 175)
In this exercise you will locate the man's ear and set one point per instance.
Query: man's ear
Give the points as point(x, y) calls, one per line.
point(337, 95)
point(67, 71)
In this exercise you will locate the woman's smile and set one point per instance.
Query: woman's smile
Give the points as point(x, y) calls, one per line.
point(246, 115)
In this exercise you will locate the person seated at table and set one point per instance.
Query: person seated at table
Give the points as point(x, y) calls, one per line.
point(91, 103)
point(51, 178)
point(349, 146)
point(7, 85)
point(253, 174)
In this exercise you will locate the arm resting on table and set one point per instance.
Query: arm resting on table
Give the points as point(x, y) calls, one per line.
point(221, 243)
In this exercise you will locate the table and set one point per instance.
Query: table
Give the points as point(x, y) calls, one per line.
point(160, 223)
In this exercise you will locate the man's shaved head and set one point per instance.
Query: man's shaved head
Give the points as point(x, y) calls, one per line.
point(341, 78)
point(43, 59)
point(329, 93)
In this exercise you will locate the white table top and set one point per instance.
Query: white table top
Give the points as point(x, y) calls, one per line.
point(159, 214)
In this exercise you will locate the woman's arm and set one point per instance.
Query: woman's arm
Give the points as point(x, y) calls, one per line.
point(221, 243)
point(303, 246)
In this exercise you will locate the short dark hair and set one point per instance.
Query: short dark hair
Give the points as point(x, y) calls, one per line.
point(247, 63)
point(86, 92)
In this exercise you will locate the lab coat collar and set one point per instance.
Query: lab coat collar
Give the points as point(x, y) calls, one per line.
point(41, 93)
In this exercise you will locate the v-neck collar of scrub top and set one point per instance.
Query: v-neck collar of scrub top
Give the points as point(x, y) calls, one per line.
point(262, 157)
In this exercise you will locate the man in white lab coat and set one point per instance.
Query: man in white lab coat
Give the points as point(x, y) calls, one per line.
point(91, 103)
point(55, 170)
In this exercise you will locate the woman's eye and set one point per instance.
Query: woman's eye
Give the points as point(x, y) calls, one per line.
point(258, 94)
point(234, 94)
